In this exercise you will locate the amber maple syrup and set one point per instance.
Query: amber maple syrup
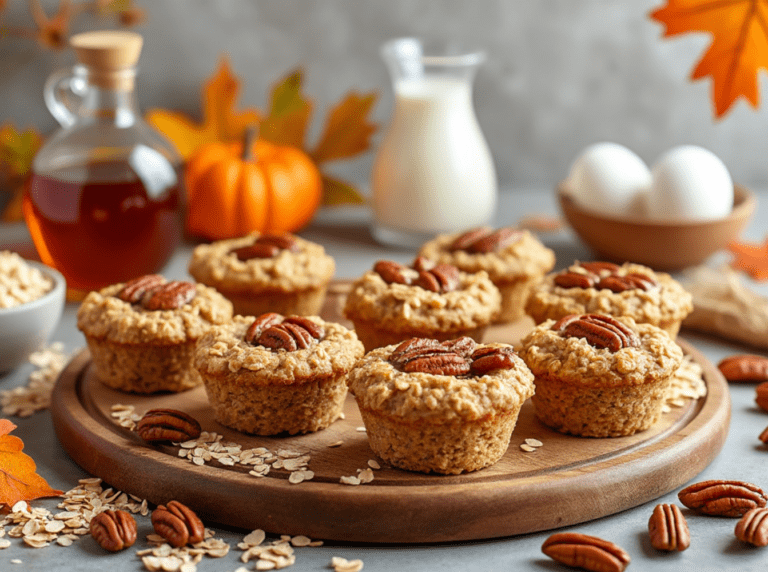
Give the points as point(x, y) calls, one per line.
point(108, 228)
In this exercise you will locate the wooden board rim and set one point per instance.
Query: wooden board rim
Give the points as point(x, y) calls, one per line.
point(398, 514)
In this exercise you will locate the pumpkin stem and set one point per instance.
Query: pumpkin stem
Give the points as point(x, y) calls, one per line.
point(251, 134)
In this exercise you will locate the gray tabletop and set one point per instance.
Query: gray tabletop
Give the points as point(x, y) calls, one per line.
point(344, 233)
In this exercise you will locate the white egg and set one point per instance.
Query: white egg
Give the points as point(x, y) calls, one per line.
point(690, 183)
point(610, 179)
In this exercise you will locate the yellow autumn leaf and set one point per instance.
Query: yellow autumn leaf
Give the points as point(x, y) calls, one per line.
point(289, 113)
point(347, 130)
point(221, 122)
point(337, 192)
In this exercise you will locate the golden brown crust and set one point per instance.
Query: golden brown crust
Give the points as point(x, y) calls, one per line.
point(664, 305)
point(410, 308)
point(525, 257)
point(103, 316)
point(214, 264)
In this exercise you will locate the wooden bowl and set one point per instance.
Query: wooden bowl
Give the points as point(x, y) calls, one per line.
point(662, 245)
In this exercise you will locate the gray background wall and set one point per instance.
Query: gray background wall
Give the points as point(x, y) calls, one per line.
point(560, 74)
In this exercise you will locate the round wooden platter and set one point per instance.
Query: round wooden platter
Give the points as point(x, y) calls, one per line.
point(566, 481)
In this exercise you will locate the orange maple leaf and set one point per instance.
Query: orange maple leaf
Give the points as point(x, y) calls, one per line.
point(739, 47)
point(18, 479)
point(751, 258)
point(220, 120)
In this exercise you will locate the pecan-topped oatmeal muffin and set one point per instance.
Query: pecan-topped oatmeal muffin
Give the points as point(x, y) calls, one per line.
point(393, 302)
point(142, 334)
point(266, 273)
point(632, 290)
point(600, 376)
point(273, 374)
point(444, 407)
point(515, 261)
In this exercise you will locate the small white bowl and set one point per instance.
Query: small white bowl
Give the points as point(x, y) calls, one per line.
point(26, 328)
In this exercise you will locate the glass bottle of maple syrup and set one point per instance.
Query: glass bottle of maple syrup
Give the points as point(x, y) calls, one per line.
point(105, 201)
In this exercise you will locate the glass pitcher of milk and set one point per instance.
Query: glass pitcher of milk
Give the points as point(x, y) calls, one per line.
point(433, 172)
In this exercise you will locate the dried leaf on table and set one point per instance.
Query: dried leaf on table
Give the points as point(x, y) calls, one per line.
point(751, 258)
point(347, 130)
point(739, 47)
point(221, 122)
point(17, 150)
point(18, 479)
point(289, 114)
point(53, 32)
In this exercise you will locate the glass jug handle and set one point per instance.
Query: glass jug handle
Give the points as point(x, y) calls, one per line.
point(58, 92)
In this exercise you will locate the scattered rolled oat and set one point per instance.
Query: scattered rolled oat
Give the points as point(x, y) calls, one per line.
point(336, 444)
point(374, 464)
point(527, 448)
point(343, 565)
point(352, 480)
point(25, 400)
point(687, 383)
point(533, 442)
point(360, 429)
point(20, 282)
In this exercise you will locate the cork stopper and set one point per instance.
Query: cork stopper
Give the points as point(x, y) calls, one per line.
point(110, 56)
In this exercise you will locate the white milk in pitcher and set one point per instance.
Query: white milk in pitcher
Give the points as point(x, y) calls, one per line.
point(434, 172)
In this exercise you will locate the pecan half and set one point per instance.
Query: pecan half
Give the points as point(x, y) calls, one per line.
point(158, 425)
point(466, 239)
point(391, 272)
point(599, 330)
point(430, 356)
point(753, 527)
point(464, 346)
point(413, 348)
point(422, 263)
point(266, 246)
point(428, 281)
point(494, 241)
point(448, 363)
point(447, 275)
point(764, 435)
point(315, 330)
point(744, 367)
point(722, 498)
point(134, 290)
point(668, 528)
point(618, 283)
point(277, 338)
point(113, 530)
point(600, 267)
point(261, 323)
point(178, 524)
point(489, 359)
point(169, 296)
point(586, 552)
point(281, 241)
point(761, 395)
point(568, 279)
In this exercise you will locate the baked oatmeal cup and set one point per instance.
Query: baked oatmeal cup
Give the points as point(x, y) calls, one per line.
point(265, 273)
point(142, 334)
point(394, 302)
point(273, 374)
point(600, 376)
point(515, 261)
point(631, 290)
point(444, 407)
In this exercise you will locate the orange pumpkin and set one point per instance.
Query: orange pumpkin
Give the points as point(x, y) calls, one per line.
point(269, 188)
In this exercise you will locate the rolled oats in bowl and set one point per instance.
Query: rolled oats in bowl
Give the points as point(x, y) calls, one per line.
point(20, 282)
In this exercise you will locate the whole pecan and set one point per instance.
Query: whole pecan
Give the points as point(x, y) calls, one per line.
point(495, 241)
point(158, 425)
point(169, 296)
point(599, 330)
point(391, 272)
point(761, 395)
point(744, 367)
point(134, 290)
point(178, 524)
point(487, 359)
point(668, 528)
point(722, 498)
point(586, 552)
point(753, 527)
point(266, 246)
point(113, 530)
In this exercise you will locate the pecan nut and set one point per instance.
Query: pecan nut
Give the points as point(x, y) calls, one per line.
point(274, 332)
point(178, 524)
point(134, 290)
point(586, 552)
point(753, 527)
point(599, 330)
point(488, 359)
point(169, 296)
point(495, 241)
point(722, 498)
point(266, 246)
point(468, 238)
point(599, 267)
point(744, 367)
point(568, 279)
point(261, 323)
point(764, 435)
point(113, 530)
point(158, 425)
point(668, 528)
point(761, 395)
point(448, 363)
point(391, 272)
point(426, 355)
